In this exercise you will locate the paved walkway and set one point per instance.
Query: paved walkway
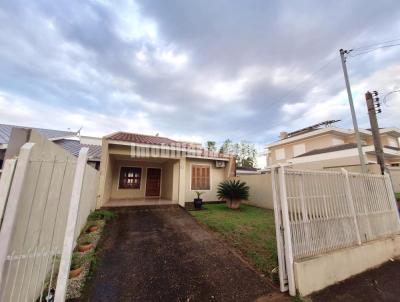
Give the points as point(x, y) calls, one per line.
point(162, 254)
point(377, 285)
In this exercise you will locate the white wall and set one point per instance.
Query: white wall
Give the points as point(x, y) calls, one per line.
point(260, 189)
point(217, 175)
point(315, 273)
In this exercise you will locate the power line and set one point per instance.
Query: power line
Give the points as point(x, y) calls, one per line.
point(372, 45)
point(373, 49)
point(389, 93)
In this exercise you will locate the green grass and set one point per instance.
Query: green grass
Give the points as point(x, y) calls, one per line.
point(249, 229)
point(397, 196)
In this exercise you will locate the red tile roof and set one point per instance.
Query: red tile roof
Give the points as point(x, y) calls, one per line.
point(141, 138)
point(158, 140)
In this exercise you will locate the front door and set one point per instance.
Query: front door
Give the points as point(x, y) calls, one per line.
point(153, 182)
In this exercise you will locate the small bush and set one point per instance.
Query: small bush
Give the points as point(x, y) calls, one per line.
point(233, 189)
point(79, 259)
point(76, 261)
point(102, 215)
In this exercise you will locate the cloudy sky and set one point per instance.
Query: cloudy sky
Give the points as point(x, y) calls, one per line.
point(194, 70)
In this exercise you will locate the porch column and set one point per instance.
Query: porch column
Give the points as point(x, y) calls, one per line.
point(182, 181)
point(104, 169)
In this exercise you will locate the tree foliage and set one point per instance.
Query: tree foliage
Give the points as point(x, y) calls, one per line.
point(211, 146)
point(244, 152)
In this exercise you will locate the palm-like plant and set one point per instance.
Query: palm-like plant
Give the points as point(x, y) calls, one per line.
point(233, 191)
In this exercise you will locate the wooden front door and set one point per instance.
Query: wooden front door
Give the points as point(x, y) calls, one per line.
point(153, 182)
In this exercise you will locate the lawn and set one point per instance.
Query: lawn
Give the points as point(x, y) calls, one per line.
point(398, 196)
point(249, 229)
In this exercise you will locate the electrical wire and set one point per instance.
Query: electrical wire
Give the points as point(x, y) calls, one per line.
point(373, 49)
point(387, 94)
point(362, 48)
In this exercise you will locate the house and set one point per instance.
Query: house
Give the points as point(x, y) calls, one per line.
point(323, 146)
point(69, 140)
point(145, 169)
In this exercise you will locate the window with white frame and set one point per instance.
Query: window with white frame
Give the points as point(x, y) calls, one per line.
point(280, 154)
point(337, 141)
point(299, 149)
point(393, 142)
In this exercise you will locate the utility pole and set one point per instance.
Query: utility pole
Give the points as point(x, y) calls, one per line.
point(353, 113)
point(375, 128)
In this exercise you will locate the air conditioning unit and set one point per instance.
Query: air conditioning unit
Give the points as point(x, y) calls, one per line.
point(220, 164)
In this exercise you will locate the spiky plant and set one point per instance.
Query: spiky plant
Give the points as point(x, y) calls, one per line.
point(233, 190)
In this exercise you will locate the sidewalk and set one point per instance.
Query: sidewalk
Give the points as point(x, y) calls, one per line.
point(379, 284)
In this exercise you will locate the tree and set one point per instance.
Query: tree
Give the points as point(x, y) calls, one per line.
point(244, 152)
point(246, 157)
point(227, 147)
point(211, 146)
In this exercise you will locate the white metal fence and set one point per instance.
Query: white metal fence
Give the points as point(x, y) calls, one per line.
point(38, 198)
point(320, 211)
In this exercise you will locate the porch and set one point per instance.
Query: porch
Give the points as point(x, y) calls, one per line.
point(133, 181)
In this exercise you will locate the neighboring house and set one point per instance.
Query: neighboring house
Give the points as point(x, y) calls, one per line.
point(331, 147)
point(247, 170)
point(74, 146)
point(70, 141)
point(143, 169)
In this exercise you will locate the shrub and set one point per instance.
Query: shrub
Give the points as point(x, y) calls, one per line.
point(102, 215)
point(79, 259)
point(233, 190)
point(76, 261)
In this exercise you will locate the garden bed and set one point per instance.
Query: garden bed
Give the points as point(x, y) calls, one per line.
point(84, 255)
point(249, 229)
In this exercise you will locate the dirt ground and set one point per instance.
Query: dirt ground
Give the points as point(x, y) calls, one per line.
point(163, 254)
point(379, 284)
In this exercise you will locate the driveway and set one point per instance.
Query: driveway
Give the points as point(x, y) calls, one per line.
point(163, 254)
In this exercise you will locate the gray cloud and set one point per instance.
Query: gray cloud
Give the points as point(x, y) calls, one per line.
point(201, 69)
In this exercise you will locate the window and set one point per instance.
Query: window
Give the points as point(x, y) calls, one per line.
point(299, 149)
point(337, 141)
point(200, 177)
point(129, 178)
point(393, 142)
point(280, 154)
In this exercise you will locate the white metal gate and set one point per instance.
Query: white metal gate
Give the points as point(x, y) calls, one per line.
point(320, 211)
point(41, 193)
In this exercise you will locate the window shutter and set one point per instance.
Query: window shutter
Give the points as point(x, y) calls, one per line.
point(200, 177)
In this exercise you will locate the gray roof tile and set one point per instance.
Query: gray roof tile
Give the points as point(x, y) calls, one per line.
point(74, 146)
point(5, 132)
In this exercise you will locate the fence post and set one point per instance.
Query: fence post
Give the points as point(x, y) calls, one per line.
point(351, 204)
point(14, 198)
point(69, 236)
point(278, 231)
point(390, 193)
point(287, 232)
point(5, 184)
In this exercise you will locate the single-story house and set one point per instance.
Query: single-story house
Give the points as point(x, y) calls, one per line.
point(145, 169)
